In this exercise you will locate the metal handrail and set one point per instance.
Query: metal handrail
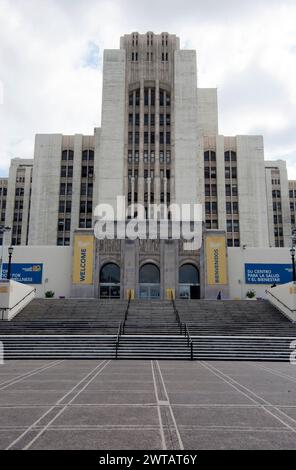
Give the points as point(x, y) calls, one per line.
point(119, 333)
point(189, 341)
point(126, 312)
point(176, 312)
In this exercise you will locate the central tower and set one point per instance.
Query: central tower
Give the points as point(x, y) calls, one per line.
point(148, 142)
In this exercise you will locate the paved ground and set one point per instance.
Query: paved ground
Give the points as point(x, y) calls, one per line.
point(147, 405)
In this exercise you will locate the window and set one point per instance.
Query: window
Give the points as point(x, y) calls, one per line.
point(236, 226)
point(227, 156)
point(207, 190)
point(234, 189)
point(146, 139)
point(168, 157)
point(146, 97)
point(235, 207)
point(168, 138)
point(68, 206)
point(62, 206)
point(146, 119)
point(161, 98)
point(130, 119)
point(152, 119)
point(62, 189)
point(152, 138)
point(228, 208)
point(207, 172)
point(227, 172)
point(161, 157)
point(229, 225)
point(213, 172)
point(83, 189)
point(67, 225)
point(228, 190)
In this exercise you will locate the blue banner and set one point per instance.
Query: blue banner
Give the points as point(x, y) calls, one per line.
point(268, 273)
point(25, 273)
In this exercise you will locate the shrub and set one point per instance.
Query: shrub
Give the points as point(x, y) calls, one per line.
point(251, 294)
point(49, 294)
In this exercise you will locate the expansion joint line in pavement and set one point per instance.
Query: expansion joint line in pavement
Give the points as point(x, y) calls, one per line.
point(284, 419)
point(28, 437)
point(25, 376)
point(170, 434)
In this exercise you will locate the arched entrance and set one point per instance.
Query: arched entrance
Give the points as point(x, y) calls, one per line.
point(149, 281)
point(189, 283)
point(110, 281)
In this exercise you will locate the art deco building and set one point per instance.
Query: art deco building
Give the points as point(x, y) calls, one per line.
point(158, 143)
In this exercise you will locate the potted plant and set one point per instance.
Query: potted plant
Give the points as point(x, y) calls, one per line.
point(49, 294)
point(251, 295)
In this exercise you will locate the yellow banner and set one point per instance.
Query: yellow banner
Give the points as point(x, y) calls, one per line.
point(216, 260)
point(83, 259)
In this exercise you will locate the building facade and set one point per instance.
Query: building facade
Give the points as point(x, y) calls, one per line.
point(158, 143)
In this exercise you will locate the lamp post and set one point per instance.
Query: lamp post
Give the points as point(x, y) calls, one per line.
point(10, 252)
point(292, 251)
point(3, 230)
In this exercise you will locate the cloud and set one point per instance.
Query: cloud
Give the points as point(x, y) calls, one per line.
point(51, 64)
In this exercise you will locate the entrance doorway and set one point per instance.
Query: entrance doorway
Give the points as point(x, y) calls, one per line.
point(189, 283)
point(110, 281)
point(149, 282)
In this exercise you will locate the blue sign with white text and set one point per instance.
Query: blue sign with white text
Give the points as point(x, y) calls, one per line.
point(25, 273)
point(268, 273)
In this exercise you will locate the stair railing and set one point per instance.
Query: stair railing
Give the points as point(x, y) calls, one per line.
point(126, 313)
point(178, 319)
point(119, 333)
point(189, 341)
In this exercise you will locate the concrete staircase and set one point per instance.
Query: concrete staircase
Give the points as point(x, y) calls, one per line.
point(217, 330)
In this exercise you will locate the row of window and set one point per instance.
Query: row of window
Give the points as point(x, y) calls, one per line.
point(146, 197)
point(149, 157)
point(135, 40)
point(292, 193)
point(68, 155)
point(19, 191)
point(149, 56)
point(3, 191)
point(229, 156)
point(149, 98)
point(230, 190)
point(149, 119)
point(149, 174)
point(211, 172)
point(149, 137)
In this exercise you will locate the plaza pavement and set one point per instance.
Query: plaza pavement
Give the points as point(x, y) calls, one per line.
point(155, 405)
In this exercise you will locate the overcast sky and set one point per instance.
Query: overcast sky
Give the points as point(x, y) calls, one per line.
point(51, 64)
